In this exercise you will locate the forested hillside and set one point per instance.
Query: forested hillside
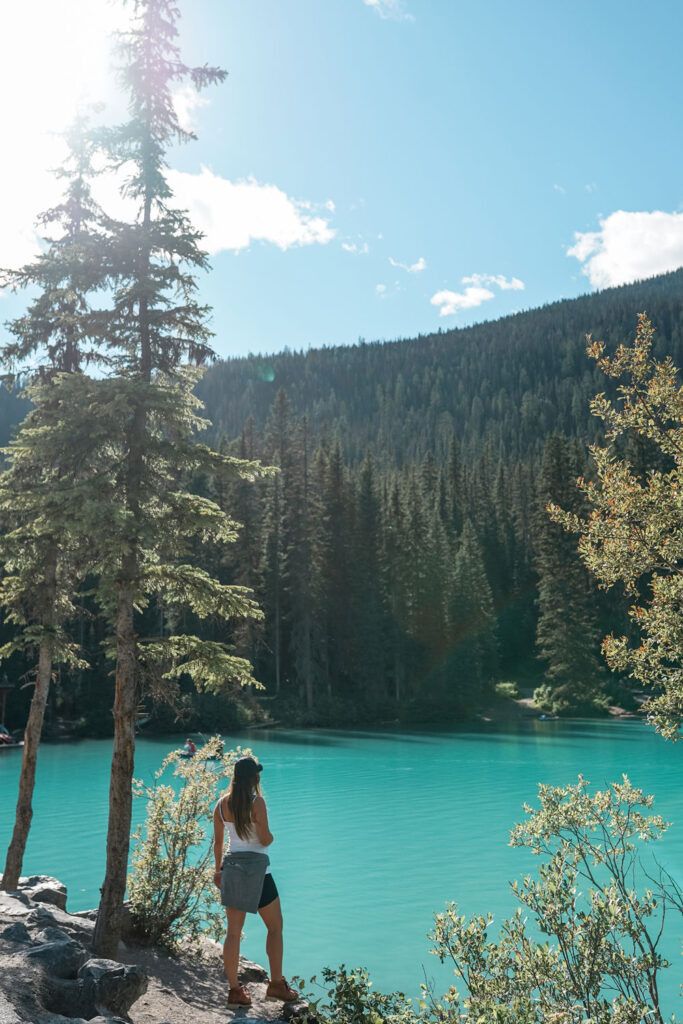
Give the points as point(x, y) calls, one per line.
point(402, 556)
point(511, 382)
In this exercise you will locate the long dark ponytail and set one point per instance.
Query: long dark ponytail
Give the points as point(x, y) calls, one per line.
point(240, 798)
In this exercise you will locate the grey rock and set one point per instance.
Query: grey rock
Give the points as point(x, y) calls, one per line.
point(16, 933)
point(51, 934)
point(8, 1015)
point(297, 1010)
point(14, 904)
point(249, 971)
point(44, 889)
point(111, 986)
point(57, 1018)
point(61, 959)
point(45, 917)
point(89, 915)
point(21, 984)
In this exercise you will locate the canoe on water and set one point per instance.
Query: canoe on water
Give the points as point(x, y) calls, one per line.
point(11, 746)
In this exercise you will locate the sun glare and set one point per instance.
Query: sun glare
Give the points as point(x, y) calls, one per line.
point(55, 58)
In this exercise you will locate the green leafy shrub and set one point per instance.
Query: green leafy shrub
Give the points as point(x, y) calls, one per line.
point(570, 699)
point(508, 691)
point(599, 959)
point(546, 699)
point(350, 999)
point(170, 887)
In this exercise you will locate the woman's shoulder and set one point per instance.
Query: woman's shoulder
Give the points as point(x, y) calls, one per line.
point(222, 809)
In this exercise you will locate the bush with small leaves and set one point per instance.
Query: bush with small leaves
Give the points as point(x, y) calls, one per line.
point(170, 887)
point(508, 691)
point(350, 999)
point(599, 960)
point(571, 699)
point(633, 531)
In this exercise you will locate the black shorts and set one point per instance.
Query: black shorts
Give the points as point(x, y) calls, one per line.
point(268, 892)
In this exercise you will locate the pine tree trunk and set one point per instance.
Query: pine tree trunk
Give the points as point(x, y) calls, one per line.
point(307, 661)
point(277, 636)
point(27, 778)
point(110, 913)
point(34, 727)
point(397, 672)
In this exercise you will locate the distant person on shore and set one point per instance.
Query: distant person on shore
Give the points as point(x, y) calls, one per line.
point(244, 878)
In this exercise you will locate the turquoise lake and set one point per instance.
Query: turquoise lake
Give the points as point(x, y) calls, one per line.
point(373, 830)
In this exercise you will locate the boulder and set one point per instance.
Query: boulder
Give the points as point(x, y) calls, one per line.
point(103, 988)
point(16, 933)
point(107, 985)
point(61, 959)
point(14, 905)
point(47, 917)
point(249, 971)
point(51, 934)
point(44, 889)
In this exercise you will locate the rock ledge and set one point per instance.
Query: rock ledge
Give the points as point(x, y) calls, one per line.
point(49, 976)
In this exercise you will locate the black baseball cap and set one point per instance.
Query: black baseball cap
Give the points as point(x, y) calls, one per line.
point(247, 767)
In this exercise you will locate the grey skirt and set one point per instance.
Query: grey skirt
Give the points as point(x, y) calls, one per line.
point(242, 877)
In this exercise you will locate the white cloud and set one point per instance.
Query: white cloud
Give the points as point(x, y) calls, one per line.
point(561, 189)
point(412, 268)
point(514, 284)
point(381, 290)
point(630, 246)
point(453, 302)
point(591, 188)
point(232, 215)
point(359, 248)
point(477, 290)
point(390, 9)
point(186, 101)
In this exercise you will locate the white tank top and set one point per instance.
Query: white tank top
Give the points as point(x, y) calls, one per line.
point(251, 844)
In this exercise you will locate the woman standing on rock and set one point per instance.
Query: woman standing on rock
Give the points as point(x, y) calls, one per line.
point(244, 878)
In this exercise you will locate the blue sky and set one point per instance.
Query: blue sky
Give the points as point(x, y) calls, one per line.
point(381, 168)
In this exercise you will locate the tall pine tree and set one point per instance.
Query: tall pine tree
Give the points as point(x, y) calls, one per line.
point(145, 527)
point(567, 634)
point(48, 478)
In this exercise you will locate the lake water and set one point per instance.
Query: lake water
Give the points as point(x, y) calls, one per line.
point(373, 830)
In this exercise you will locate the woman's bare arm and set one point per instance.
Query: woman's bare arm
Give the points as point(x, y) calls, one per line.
point(259, 815)
point(218, 840)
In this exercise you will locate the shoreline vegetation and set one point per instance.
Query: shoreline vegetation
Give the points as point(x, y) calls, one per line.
point(516, 709)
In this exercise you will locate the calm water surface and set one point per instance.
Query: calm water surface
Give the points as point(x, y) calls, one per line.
point(373, 831)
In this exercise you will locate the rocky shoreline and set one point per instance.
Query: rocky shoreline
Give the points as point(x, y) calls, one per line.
point(49, 976)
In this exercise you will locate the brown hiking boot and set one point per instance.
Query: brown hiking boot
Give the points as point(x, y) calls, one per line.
point(281, 990)
point(239, 996)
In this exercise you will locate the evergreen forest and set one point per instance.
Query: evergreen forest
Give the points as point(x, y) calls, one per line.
point(402, 555)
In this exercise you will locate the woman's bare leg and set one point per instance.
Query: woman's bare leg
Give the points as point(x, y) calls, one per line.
point(231, 946)
point(272, 918)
